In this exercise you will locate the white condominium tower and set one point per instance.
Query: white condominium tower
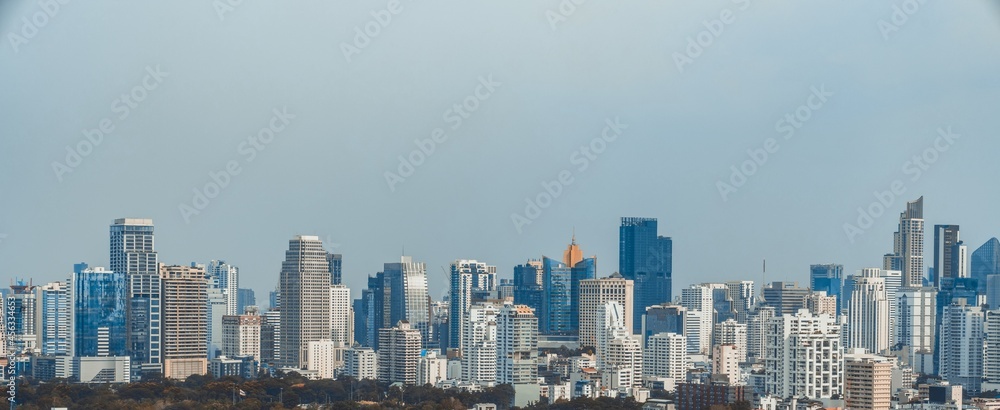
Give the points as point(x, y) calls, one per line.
point(908, 245)
point(868, 313)
point(305, 299)
point(803, 356)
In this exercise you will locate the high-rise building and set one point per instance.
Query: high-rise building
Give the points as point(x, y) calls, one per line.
point(619, 353)
point(819, 303)
point(469, 279)
point(100, 306)
point(369, 312)
point(646, 259)
point(699, 301)
point(666, 356)
point(961, 350)
point(726, 362)
point(517, 345)
point(305, 299)
point(827, 278)
point(804, 356)
point(786, 297)
point(666, 318)
point(225, 277)
point(22, 304)
point(361, 363)
point(185, 301)
point(867, 381)
point(55, 319)
point(908, 245)
point(742, 295)
point(270, 337)
point(868, 313)
point(610, 325)
point(133, 254)
point(335, 262)
point(431, 368)
point(244, 298)
point(985, 261)
point(893, 283)
point(945, 239)
point(323, 358)
point(406, 295)
point(991, 357)
point(217, 308)
point(594, 294)
point(757, 331)
point(398, 354)
point(241, 335)
point(561, 296)
point(917, 323)
point(479, 344)
point(341, 320)
point(528, 284)
point(732, 333)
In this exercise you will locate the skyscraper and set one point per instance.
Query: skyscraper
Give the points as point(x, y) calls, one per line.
point(341, 322)
point(908, 245)
point(241, 334)
point(619, 353)
point(647, 260)
point(407, 298)
point(54, 319)
point(133, 254)
point(962, 338)
point(867, 381)
point(335, 261)
point(666, 318)
point(470, 279)
point(479, 343)
point(226, 277)
point(100, 306)
point(185, 327)
point(557, 306)
point(244, 298)
point(868, 313)
point(665, 355)
point(786, 297)
point(828, 278)
point(986, 262)
point(305, 299)
point(917, 325)
point(945, 239)
point(517, 345)
point(594, 293)
point(804, 356)
point(742, 295)
point(528, 284)
point(398, 354)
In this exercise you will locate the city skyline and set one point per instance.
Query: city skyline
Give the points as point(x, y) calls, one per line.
point(682, 131)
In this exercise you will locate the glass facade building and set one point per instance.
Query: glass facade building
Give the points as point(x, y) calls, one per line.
point(100, 307)
point(647, 260)
point(827, 278)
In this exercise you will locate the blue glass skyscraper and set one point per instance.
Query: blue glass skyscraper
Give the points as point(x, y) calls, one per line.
point(986, 262)
point(829, 279)
point(557, 308)
point(528, 279)
point(99, 308)
point(647, 260)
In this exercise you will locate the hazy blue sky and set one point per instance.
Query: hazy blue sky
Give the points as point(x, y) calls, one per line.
point(561, 76)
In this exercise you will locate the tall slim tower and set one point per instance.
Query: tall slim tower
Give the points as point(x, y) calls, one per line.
point(227, 278)
point(945, 239)
point(908, 245)
point(185, 326)
point(132, 254)
point(517, 345)
point(594, 293)
point(100, 300)
point(647, 260)
point(868, 313)
point(407, 298)
point(469, 280)
point(986, 262)
point(305, 299)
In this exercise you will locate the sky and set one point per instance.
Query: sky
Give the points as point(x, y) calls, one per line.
point(790, 132)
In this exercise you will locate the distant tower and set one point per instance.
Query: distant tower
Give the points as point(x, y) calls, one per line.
point(132, 254)
point(908, 245)
point(646, 259)
point(868, 313)
point(305, 299)
point(407, 298)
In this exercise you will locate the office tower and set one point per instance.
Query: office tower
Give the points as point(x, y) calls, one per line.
point(827, 278)
point(917, 324)
point(54, 319)
point(217, 307)
point(361, 363)
point(945, 239)
point(868, 313)
point(341, 322)
point(985, 261)
point(470, 279)
point(22, 304)
point(786, 297)
point(244, 298)
point(185, 301)
point(323, 358)
point(666, 318)
point(517, 345)
point(742, 295)
point(133, 254)
point(335, 262)
point(594, 294)
point(305, 299)
point(398, 353)
point(528, 284)
point(100, 306)
point(440, 310)
point(479, 344)
point(406, 294)
point(726, 362)
point(557, 298)
point(893, 283)
point(961, 350)
point(647, 260)
point(867, 381)
point(432, 368)
point(804, 356)
point(700, 300)
point(226, 277)
point(369, 312)
point(241, 335)
point(505, 290)
point(734, 334)
point(908, 245)
point(952, 290)
point(618, 352)
point(756, 331)
point(698, 330)
point(666, 356)
point(819, 303)
point(274, 298)
point(270, 337)
point(991, 357)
